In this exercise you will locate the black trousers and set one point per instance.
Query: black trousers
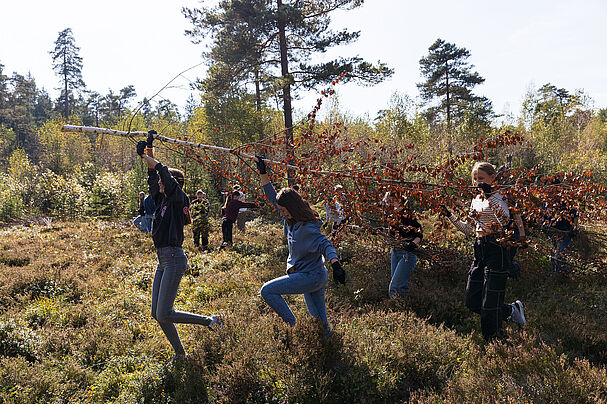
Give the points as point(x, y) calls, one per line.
point(226, 229)
point(197, 235)
point(487, 285)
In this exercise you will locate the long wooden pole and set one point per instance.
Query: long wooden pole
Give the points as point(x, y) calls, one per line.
point(103, 131)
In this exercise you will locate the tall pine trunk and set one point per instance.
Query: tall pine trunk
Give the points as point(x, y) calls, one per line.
point(286, 92)
point(257, 91)
point(450, 146)
point(66, 106)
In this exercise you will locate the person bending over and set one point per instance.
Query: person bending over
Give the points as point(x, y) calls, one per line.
point(406, 234)
point(230, 212)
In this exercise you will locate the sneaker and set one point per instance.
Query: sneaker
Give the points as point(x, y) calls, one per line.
point(177, 359)
point(518, 315)
point(215, 320)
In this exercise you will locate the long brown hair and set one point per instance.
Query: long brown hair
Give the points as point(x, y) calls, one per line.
point(299, 208)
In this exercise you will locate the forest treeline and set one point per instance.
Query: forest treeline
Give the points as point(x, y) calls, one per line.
point(46, 171)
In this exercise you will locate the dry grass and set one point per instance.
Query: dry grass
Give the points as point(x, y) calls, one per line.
point(75, 327)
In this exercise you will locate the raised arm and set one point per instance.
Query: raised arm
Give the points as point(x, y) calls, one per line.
point(266, 184)
point(263, 170)
point(145, 150)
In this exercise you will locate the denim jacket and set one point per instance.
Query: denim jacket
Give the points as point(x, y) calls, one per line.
point(307, 245)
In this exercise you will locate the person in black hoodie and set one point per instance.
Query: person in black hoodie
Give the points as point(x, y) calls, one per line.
point(171, 214)
point(406, 234)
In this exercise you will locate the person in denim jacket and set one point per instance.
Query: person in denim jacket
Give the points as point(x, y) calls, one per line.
point(308, 248)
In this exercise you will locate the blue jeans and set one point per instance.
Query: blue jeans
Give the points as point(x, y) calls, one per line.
point(172, 263)
point(143, 223)
point(311, 284)
point(559, 265)
point(402, 264)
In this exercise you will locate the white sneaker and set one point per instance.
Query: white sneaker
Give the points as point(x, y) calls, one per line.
point(215, 320)
point(518, 315)
point(177, 358)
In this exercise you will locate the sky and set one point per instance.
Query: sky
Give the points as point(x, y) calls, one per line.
point(516, 46)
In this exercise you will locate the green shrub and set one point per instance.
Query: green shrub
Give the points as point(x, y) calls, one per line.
point(523, 370)
point(59, 196)
point(11, 203)
point(107, 198)
point(42, 311)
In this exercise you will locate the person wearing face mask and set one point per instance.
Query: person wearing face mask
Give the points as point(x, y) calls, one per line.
point(171, 214)
point(486, 284)
point(308, 249)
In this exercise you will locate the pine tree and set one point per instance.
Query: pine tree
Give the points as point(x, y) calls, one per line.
point(270, 44)
point(449, 77)
point(20, 112)
point(4, 94)
point(67, 64)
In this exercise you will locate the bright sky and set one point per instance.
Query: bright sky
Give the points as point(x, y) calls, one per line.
point(514, 45)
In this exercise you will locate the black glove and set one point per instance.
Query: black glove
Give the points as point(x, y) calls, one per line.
point(486, 188)
point(141, 147)
point(410, 246)
point(150, 140)
point(444, 211)
point(261, 165)
point(339, 275)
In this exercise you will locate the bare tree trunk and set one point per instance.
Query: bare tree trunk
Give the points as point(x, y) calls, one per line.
point(286, 93)
point(448, 101)
point(450, 146)
point(66, 106)
point(257, 91)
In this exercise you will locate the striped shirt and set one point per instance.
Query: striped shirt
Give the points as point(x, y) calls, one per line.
point(486, 215)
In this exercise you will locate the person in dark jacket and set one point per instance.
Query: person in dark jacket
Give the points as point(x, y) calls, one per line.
point(172, 213)
point(562, 227)
point(405, 233)
point(230, 213)
point(146, 211)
